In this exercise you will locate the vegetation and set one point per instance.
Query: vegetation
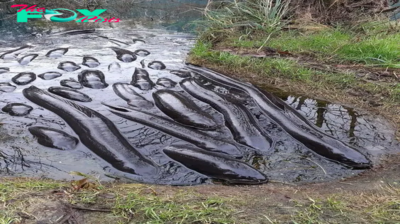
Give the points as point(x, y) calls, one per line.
point(29, 200)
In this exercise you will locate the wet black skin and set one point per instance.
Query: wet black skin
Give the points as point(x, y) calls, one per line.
point(17, 109)
point(90, 62)
point(56, 53)
point(128, 93)
point(141, 79)
point(94, 79)
point(71, 83)
point(24, 78)
point(68, 66)
point(157, 65)
point(124, 55)
point(215, 166)
point(166, 82)
point(7, 87)
point(319, 142)
point(54, 138)
point(175, 129)
point(96, 132)
point(49, 75)
point(183, 110)
point(70, 94)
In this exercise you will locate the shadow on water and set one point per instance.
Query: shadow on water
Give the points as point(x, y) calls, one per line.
point(106, 81)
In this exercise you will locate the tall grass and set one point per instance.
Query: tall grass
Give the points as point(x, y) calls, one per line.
point(264, 15)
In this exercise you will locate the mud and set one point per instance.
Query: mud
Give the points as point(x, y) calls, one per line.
point(127, 138)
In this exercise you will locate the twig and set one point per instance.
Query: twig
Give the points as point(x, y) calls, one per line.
point(91, 209)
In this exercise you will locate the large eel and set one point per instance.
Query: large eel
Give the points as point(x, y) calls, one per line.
point(127, 93)
point(178, 107)
point(95, 131)
point(215, 166)
point(175, 129)
point(245, 130)
point(319, 142)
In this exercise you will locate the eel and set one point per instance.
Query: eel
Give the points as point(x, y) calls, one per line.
point(244, 127)
point(157, 65)
point(215, 166)
point(17, 109)
point(4, 70)
point(114, 67)
point(320, 142)
point(70, 94)
point(6, 87)
point(54, 138)
point(93, 79)
point(27, 59)
point(24, 78)
point(95, 131)
point(176, 130)
point(71, 83)
point(142, 52)
point(184, 111)
point(12, 54)
point(68, 66)
point(49, 75)
point(127, 93)
point(141, 79)
point(124, 55)
point(57, 53)
point(90, 62)
point(166, 82)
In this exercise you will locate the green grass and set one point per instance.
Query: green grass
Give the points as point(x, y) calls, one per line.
point(337, 44)
point(272, 68)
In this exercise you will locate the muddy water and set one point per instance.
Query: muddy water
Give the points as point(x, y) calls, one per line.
point(283, 159)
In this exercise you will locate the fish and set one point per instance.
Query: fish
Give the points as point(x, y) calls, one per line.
point(90, 62)
point(142, 52)
point(71, 83)
point(141, 79)
point(114, 67)
point(12, 54)
point(54, 138)
point(166, 82)
point(124, 55)
point(24, 78)
point(49, 75)
point(4, 70)
point(94, 79)
point(57, 53)
point(17, 109)
point(245, 129)
point(70, 94)
point(68, 66)
point(175, 129)
point(27, 59)
point(183, 110)
point(6, 87)
point(215, 166)
point(157, 65)
point(96, 132)
point(127, 93)
point(319, 142)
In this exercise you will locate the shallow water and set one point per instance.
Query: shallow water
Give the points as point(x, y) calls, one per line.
point(286, 161)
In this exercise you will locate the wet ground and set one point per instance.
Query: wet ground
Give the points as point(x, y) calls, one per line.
point(287, 160)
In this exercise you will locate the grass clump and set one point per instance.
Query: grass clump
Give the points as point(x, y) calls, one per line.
point(144, 204)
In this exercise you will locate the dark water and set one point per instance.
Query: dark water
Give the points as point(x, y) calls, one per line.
point(280, 157)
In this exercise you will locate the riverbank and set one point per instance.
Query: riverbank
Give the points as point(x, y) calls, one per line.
point(358, 66)
point(370, 198)
point(320, 63)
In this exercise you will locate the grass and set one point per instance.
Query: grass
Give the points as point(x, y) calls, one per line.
point(338, 45)
point(280, 68)
point(137, 203)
